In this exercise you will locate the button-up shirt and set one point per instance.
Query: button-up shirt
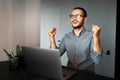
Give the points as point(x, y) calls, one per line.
point(80, 50)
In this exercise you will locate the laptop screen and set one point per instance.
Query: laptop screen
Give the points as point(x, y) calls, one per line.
point(45, 63)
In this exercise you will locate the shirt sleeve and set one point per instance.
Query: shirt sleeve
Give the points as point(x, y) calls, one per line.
point(62, 47)
point(96, 56)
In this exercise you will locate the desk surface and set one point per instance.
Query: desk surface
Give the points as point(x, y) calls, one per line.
point(21, 74)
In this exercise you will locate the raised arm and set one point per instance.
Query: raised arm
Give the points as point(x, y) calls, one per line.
point(96, 37)
point(52, 33)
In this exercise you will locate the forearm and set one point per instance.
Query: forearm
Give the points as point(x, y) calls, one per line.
point(96, 44)
point(53, 43)
point(96, 38)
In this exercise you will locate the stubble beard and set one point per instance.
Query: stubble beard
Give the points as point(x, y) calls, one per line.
point(78, 27)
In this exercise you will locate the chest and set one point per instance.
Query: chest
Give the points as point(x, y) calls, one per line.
point(81, 43)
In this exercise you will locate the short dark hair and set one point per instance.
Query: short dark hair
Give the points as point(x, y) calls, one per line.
point(84, 11)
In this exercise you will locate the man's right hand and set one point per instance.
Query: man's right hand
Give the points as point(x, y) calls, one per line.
point(52, 31)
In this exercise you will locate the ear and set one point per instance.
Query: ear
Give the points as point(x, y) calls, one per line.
point(85, 19)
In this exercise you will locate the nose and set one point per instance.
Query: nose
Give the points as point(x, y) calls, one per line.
point(74, 18)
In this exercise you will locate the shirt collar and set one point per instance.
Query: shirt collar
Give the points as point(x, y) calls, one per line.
point(80, 32)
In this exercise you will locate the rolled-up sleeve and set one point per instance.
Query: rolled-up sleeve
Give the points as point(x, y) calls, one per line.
point(96, 56)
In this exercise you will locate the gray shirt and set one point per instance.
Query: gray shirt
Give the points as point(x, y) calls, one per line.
point(80, 50)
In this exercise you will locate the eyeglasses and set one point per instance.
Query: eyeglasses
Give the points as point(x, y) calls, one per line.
point(75, 16)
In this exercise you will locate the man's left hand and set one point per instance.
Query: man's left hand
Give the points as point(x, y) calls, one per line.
point(96, 30)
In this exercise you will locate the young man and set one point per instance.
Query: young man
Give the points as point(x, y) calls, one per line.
point(82, 46)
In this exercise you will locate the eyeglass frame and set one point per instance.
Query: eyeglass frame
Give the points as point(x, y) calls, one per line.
point(76, 16)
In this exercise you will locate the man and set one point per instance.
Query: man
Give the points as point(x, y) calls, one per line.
point(82, 46)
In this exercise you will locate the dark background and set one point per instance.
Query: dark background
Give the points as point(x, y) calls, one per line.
point(117, 65)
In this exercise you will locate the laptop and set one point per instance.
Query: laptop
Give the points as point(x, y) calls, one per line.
point(46, 63)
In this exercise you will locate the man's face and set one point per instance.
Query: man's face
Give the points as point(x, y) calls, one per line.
point(77, 18)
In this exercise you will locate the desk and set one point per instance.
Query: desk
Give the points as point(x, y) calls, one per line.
point(5, 74)
point(86, 75)
point(21, 74)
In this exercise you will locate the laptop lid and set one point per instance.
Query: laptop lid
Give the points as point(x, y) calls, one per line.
point(42, 62)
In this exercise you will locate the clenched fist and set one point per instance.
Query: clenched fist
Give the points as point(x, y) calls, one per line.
point(96, 30)
point(52, 31)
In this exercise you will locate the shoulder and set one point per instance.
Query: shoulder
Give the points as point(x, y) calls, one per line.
point(70, 34)
point(86, 32)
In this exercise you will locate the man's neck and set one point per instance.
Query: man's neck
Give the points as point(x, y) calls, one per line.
point(78, 30)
